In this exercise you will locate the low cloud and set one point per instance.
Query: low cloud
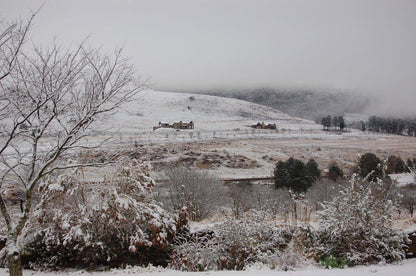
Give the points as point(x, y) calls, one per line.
point(363, 46)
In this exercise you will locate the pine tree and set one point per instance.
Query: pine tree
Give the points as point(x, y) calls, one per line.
point(326, 122)
point(341, 122)
point(335, 121)
point(334, 171)
point(281, 175)
point(313, 169)
point(292, 174)
point(370, 163)
point(396, 165)
point(409, 163)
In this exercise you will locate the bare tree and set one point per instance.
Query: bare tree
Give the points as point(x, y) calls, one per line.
point(274, 201)
point(12, 39)
point(49, 99)
point(408, 199)
point(240, 199)
point(408, 193)
point(324, 190)
point(259, 198)
point(200, 192)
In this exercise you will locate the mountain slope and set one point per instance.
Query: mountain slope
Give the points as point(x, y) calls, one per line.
point(304, 103)
point(150, 107)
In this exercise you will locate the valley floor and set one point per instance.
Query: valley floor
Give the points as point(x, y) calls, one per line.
point(408, 267)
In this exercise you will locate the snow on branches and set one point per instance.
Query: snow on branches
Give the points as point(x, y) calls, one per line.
point(232, 245)
point(107, 219)
point(357, 224)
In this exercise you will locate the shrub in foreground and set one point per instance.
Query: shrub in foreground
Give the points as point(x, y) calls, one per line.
point(232, 245)
point(356, 226)
point(110, 223)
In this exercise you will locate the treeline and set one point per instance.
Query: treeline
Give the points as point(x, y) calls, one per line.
point(298, 176)
point(392, 125)
point(337, 122)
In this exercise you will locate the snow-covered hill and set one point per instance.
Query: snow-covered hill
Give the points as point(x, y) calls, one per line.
point(209, 113)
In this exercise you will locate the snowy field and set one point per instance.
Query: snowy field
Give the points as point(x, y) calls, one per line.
point(209, 113)
point(222, 127)
point(408, 267)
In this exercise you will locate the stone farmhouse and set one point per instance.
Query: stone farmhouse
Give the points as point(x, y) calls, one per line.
point(176, 125)
point(262, 125)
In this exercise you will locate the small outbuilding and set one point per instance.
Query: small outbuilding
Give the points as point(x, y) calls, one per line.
point(262, 125)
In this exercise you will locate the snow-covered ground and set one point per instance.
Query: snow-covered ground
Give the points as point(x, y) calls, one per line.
point(222, 127)
point(407, 268)
point(209, 113)
point(214, 118)
point(403, 179)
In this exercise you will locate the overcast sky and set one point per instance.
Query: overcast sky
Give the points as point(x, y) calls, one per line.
point(368, 46)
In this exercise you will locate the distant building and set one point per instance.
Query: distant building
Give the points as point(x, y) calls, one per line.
point(262, 125)
point(166, 125)
point(183, 125)
point(176, 125)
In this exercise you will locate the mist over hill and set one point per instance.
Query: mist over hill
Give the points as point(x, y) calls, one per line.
point(307, 104)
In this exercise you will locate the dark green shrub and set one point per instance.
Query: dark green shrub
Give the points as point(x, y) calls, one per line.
point(370, 163)
point(292, 174)
point(333, 262)
point(334, 172)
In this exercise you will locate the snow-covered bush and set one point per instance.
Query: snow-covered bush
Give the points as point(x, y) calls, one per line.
point(288, 259)
point(232, 245)
point(196, 252)
point(110, 222)
point(357, 225)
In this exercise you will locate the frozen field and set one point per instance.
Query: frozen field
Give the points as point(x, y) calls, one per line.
point(223, 141)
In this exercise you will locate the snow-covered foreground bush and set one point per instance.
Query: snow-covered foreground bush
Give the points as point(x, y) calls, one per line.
point(116, 221)
point(232, 245)
point(356, 226)
point(110, 223)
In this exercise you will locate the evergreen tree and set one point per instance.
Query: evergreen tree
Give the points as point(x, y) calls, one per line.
point(326, 122)
point(292, 174)
point(335, 172)
point(409, 163)
point(313, 169)
point(363, 126)
point(281, 175)
point(392, 125)
point(335, 121)
point(396, 165)
point(341, 122)
point(373, 123)
point(368, 163)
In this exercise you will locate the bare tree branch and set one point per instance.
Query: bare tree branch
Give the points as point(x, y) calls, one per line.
point(49, 99)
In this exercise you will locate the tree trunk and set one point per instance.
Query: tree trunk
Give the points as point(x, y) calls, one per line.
point(15, 264)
